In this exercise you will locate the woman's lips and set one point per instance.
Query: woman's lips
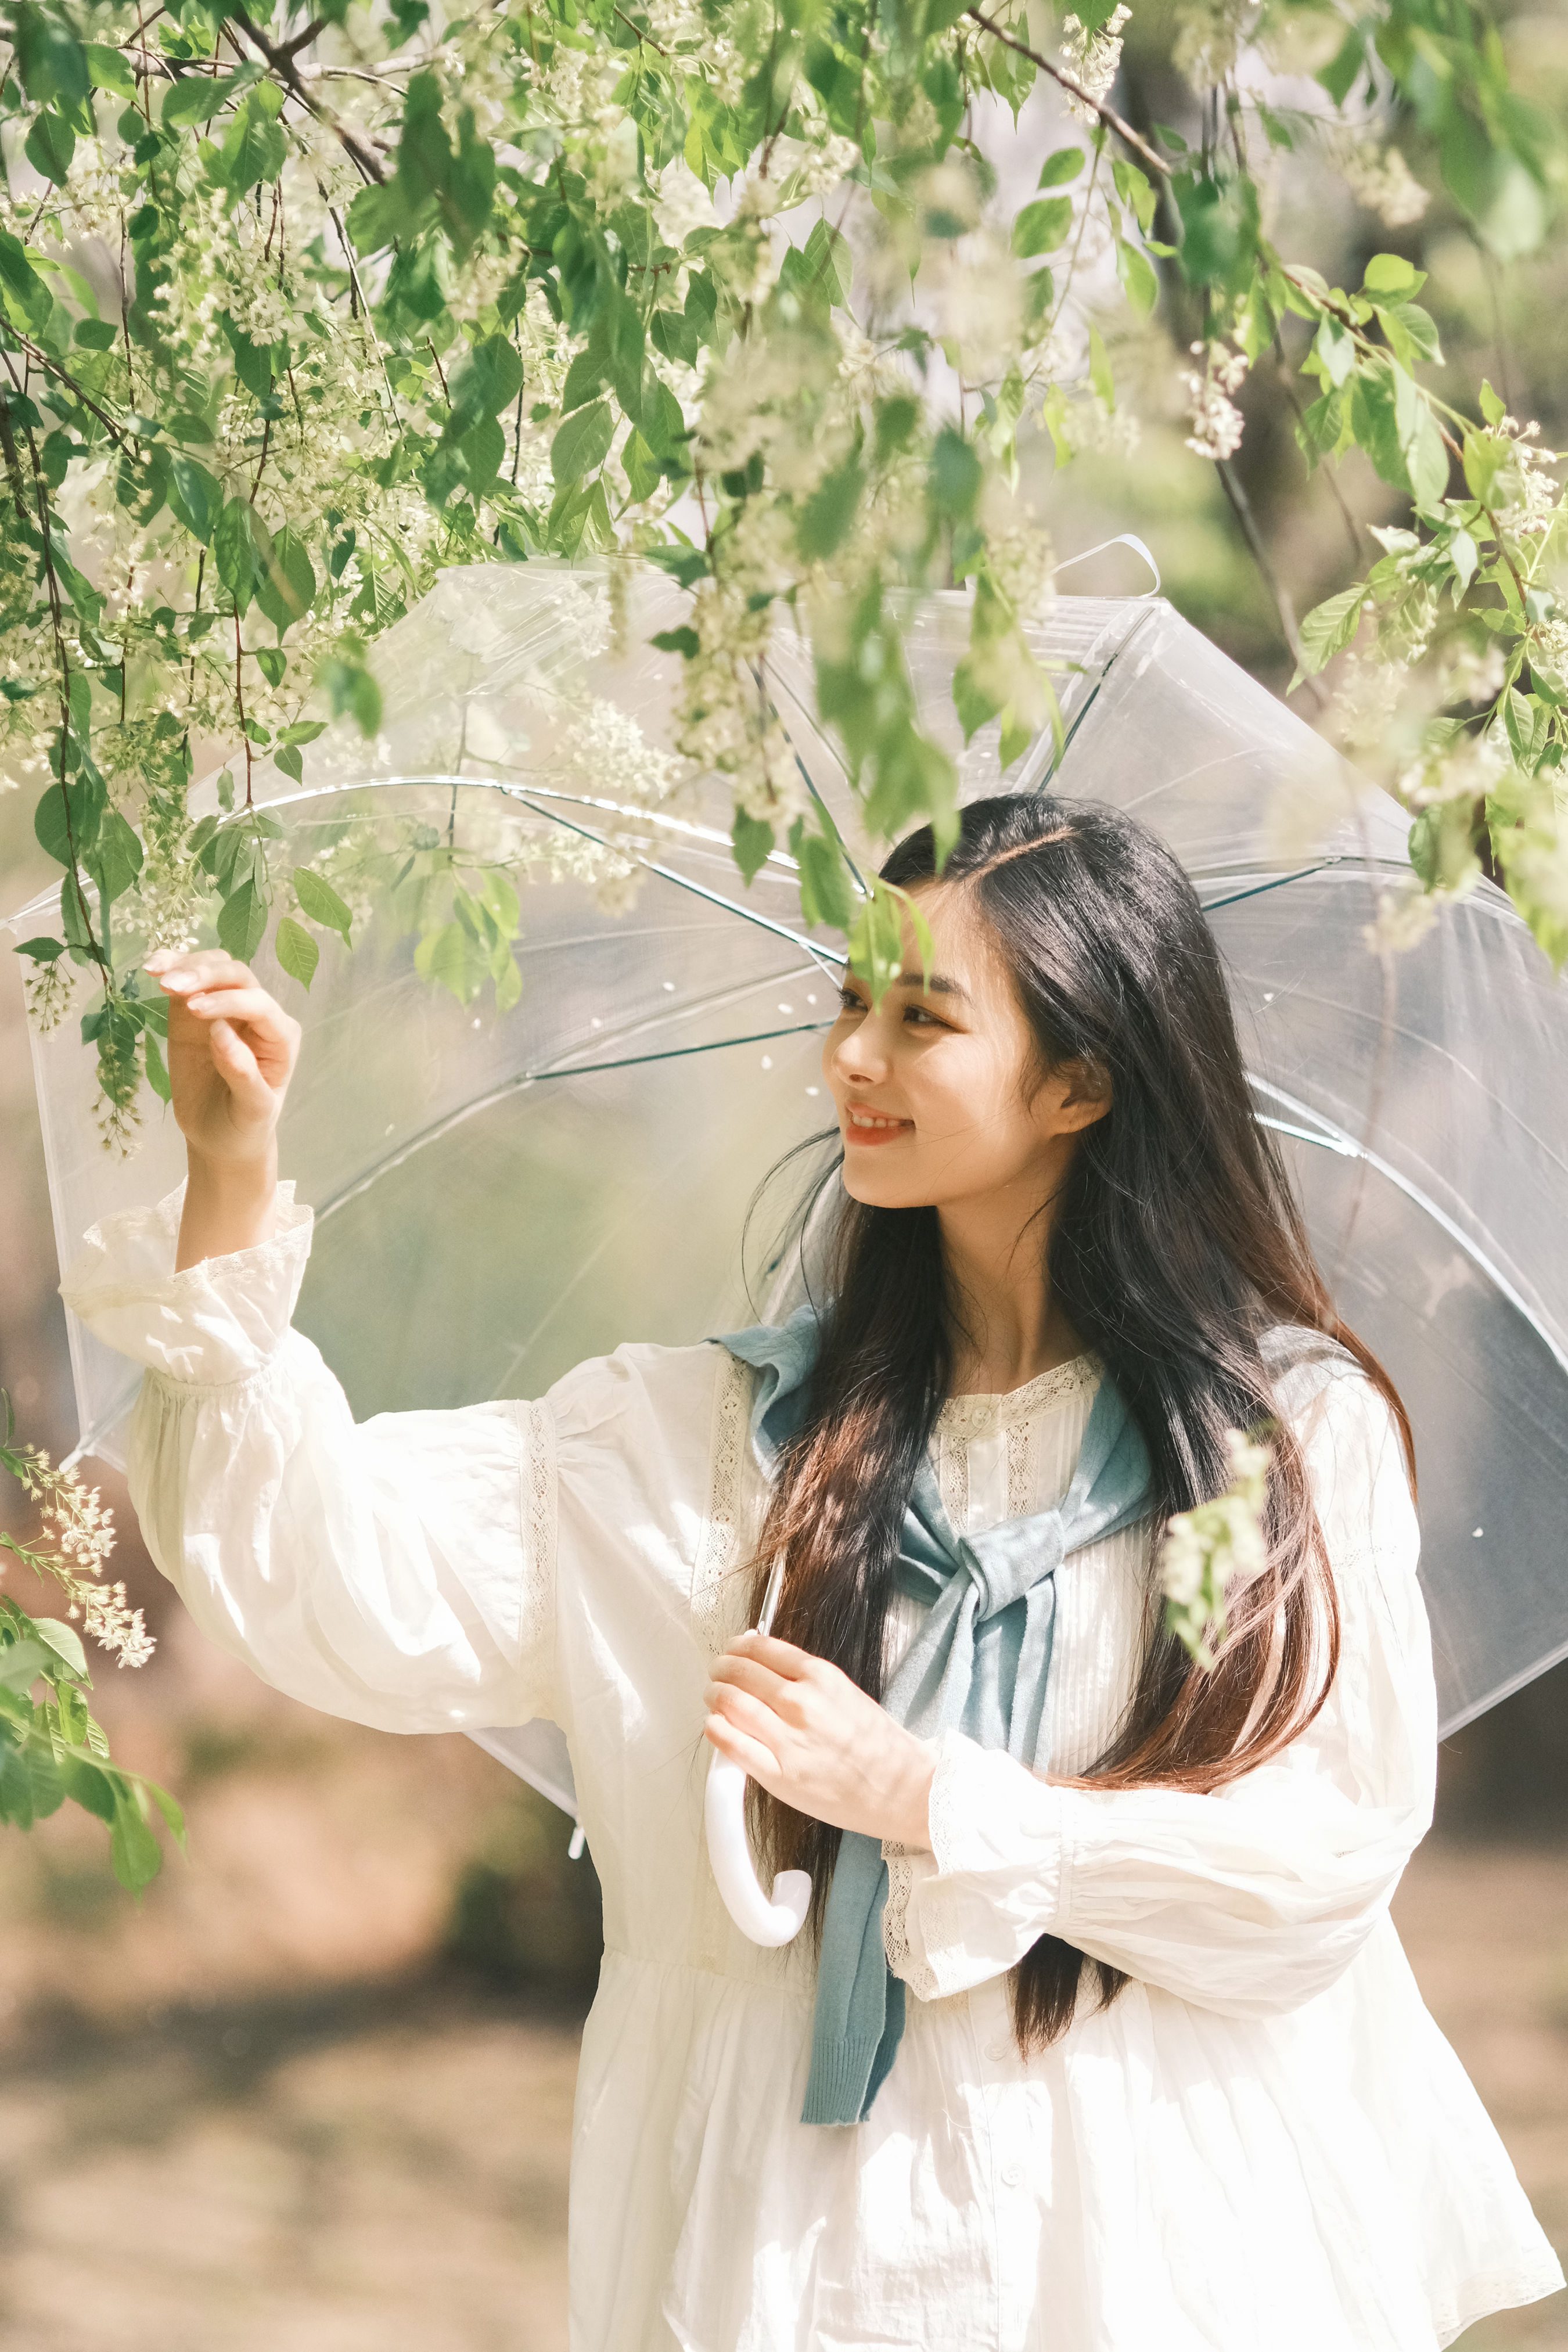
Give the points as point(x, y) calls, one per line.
point(881, 1128)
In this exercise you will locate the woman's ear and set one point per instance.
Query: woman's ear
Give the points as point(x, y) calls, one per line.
point(1084, 1094)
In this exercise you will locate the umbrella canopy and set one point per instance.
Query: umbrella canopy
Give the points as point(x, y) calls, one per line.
point(537, 1100)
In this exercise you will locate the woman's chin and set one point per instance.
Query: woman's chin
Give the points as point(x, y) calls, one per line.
point(879, 1188)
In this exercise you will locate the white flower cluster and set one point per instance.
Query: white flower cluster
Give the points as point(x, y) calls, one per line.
point(1218, 423)
point(1381, 181)
point(76, 1537)
point(1093, 59)
point(1216, 1545)
point(1209, 38)
point(1537, 501)
point(47, 990)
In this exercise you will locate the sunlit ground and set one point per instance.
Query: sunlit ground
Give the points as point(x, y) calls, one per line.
point(386, 2171)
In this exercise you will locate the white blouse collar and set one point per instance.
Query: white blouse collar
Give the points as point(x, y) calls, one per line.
point(978, 1416)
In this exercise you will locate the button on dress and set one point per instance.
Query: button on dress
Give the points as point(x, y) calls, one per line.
point(1264, 2145)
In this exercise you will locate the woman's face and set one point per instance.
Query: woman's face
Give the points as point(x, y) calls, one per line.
point(939, 1089)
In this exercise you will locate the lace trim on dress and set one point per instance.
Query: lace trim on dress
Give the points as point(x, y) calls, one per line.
point(536, 1426)
point(731, 1418)
point(953, 1477)
point(1019, 1449)
point(917, 1974)
point(978, 1416)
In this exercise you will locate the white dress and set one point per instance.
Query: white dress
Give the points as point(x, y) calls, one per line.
point(1264, 2145)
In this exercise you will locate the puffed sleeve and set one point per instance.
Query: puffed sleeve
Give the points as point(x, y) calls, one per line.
point(1257, 1896)
point(393, 1570)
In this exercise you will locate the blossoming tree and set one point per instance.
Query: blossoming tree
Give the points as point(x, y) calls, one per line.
point(298, 307)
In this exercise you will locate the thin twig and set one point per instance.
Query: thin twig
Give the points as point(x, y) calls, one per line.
point(281, 61)
point(1075, 88)
point(1241, 508)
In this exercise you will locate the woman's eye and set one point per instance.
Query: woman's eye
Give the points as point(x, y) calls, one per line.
point(849, 1002)
point(918, 1013)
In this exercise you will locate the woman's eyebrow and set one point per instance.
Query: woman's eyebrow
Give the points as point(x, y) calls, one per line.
point(935, 986)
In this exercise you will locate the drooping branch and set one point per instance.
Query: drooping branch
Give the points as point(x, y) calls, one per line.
point(1075, 88)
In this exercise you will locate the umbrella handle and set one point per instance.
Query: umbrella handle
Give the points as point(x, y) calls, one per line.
point(728, 1850)
point(773, 1922)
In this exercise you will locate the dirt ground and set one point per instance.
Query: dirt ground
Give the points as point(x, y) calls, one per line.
point(385, 2172)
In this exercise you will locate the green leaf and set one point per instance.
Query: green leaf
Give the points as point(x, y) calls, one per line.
point(826, 891)
point(1136, 272)
point(1463, 555)
point(450, 958)
point(50, 61)
point(157, 1070)
point(1329, 627)
point(21, 1664)
point(1338, 77)
point(826, 515)
point(1390, 274)
point(487, 379)
point(88, 1788)
point(195, 98)
point(1099, 373)
point(752, 838)
point(1064, 165)
point(349, 688)
point(255, 146)
point(286, 586)
point(955, 477)
point(830, 262)
point(96, 334)
point(42, 950)
point(63, 1640)
point(273, 664)
point(50, 147)
point(1485, 456)
point(115, 859)
point(1335, 349)
point(195, 496)
point(1042, 226)
point(107, 69)
point(70, 815)
point(26, 297)
point(296, 951)
point(320, 901)
point(241, 545)
point(582, 443)
point(1493, 409)
point(241, 921)
point(1134, 190)
point(134, 1851)
point(640, 467)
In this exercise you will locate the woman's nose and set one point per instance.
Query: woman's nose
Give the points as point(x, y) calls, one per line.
point(859, 1053)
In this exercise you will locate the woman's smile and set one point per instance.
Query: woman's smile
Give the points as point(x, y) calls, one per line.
point(864, 1126)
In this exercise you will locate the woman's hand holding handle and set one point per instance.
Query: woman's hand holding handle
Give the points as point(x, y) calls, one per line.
point(232, 1050)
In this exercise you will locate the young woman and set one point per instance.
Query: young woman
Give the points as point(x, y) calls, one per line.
point(1163, 2081)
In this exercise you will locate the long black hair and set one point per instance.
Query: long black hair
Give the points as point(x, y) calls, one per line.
point(1175, 1245)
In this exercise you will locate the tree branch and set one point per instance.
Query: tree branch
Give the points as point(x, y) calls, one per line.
point(1075, 88)
point(1241, 508)
point(281, 60)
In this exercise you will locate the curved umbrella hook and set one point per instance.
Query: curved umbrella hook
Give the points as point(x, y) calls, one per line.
point(773, 1922)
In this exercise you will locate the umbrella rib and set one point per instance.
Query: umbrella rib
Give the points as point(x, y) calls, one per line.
point(516, 1085)
point(1334, 1138)
point(822, 957)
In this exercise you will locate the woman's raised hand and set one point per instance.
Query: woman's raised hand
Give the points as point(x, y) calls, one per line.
point(232, 1050)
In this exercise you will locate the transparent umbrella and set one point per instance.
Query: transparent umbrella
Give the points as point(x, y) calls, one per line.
point(537, 1099)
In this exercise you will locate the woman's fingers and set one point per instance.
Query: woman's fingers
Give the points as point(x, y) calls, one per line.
point(741, 1672)
point(748, 1753)
point(750, 1712)
point(181, 971)
point(781, 1657)
point(272, 1031)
